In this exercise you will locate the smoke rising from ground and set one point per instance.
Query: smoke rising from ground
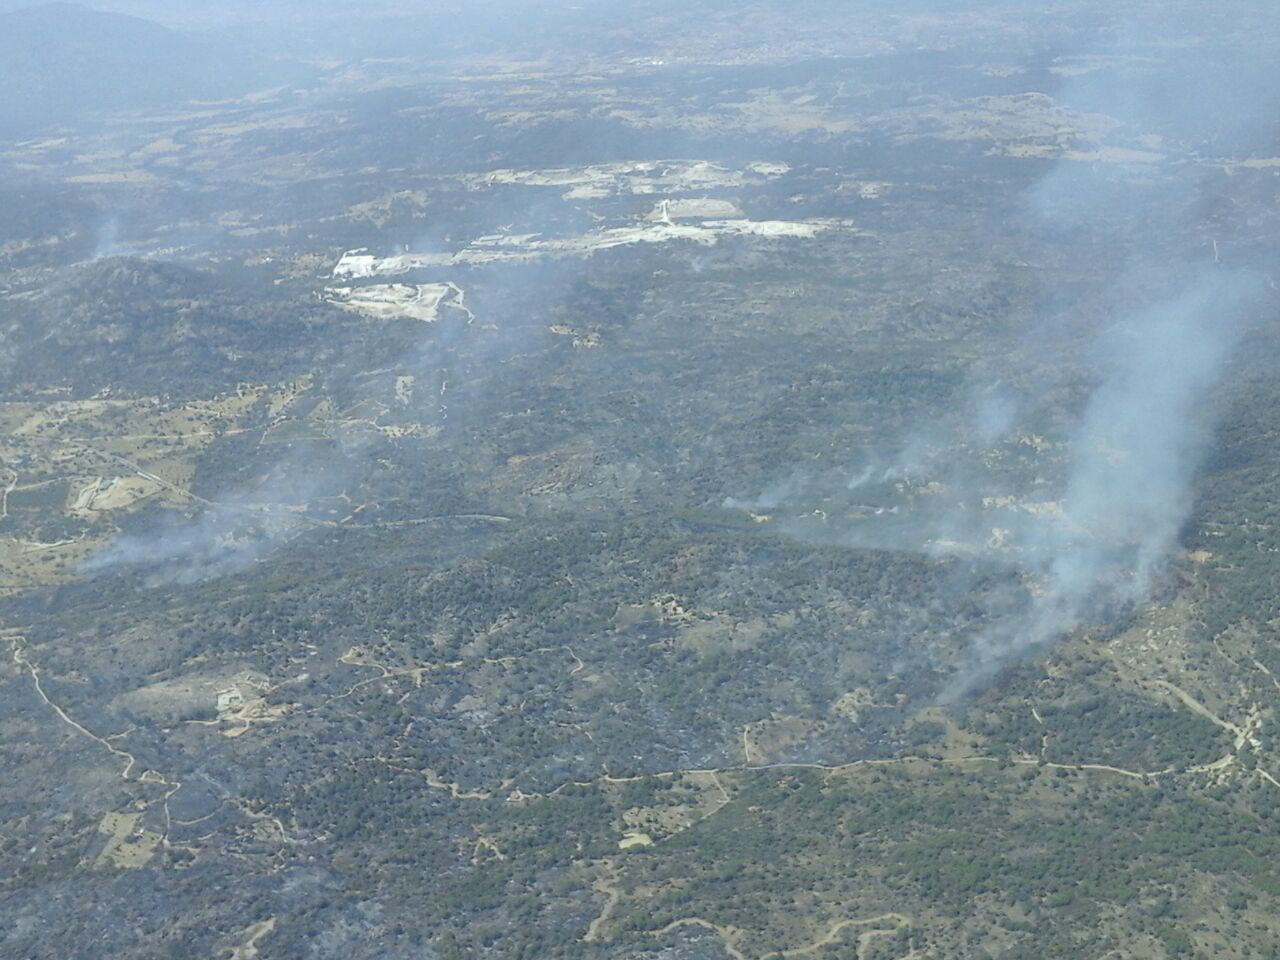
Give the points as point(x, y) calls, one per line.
point(246, 523)
point(226, 536)
point(1093, 524)
point(1132, 462)
point(219, 540)
point(1133, 455)
point(1089, 519)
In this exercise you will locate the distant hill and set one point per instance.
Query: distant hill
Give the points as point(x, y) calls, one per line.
point(59, 61)
point(162, 328)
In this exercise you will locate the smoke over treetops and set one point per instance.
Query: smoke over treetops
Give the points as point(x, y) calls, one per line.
point(1089, 518)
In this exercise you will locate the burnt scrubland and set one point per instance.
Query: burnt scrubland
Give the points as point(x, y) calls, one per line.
point(724, 484)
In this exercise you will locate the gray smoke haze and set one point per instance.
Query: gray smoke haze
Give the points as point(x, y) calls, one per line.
point(1121, 486)
point(1133, 456)
point(246, 524)
point(224, 537)
point(219, 540)
point(107, 241)
point(1092, 526)
point(1132, 463)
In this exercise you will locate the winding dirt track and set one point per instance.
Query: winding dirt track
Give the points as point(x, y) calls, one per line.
point(731, 936)
point(130, 761)
point(865, 939)
point(1196, 707)
point(4, 495)
point(608, 886)
point(147, 776)
point(20, 658)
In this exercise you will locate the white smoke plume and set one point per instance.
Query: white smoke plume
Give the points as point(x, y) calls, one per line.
point(1132, 462)
point(224, 537)
point(1091, 534)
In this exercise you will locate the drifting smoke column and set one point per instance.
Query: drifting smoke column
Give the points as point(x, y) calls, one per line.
point(227, 536)
point(1133, 460)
